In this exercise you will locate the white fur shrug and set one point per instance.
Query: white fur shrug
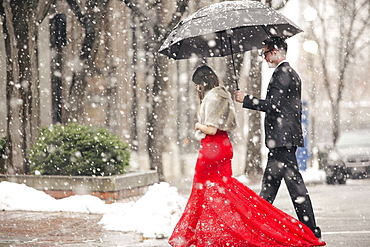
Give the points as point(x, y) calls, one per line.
point(217, 109)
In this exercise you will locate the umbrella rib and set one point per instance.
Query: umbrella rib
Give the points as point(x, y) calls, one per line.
point(265, 29)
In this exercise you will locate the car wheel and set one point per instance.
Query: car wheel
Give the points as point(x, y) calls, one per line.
point(342, 177)
point(330, 180)
point(342, 180)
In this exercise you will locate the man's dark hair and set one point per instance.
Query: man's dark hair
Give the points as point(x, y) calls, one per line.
point(275, 42)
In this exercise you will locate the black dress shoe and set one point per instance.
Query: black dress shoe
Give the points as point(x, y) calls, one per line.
point(317, 232)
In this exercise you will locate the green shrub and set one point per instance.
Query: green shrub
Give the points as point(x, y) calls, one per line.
point(78, 150)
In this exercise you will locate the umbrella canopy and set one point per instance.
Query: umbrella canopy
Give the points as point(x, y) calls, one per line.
point(226, 28)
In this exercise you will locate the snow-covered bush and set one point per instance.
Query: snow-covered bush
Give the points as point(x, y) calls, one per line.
point(78, 150)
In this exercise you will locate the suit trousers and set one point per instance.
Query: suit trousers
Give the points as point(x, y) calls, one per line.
point(282, 163)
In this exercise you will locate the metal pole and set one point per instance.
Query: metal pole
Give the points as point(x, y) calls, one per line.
point(232, 58)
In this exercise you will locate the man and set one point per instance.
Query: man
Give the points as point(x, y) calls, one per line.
point(283, 131)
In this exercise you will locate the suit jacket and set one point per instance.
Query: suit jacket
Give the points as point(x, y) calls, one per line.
point(283, 108)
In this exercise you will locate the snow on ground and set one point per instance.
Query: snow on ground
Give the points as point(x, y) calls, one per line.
point(154, 215)
point(15, 196)
point(312, 175)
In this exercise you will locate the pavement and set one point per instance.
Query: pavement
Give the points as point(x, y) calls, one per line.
point(41, 229)
point(44, 229)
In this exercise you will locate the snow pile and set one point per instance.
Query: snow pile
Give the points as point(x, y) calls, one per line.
point(312, 175)
point(155, 214)
point(15, 196)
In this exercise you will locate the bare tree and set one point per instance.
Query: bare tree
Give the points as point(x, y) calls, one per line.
point(91, 17)
point(342, 29)
point(155, 24)
point(20, 22)
point(254, 141)
point(20, 25)
point(253, 164)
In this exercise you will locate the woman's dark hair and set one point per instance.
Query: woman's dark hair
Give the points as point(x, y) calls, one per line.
point(276, 42)
point(206, 78)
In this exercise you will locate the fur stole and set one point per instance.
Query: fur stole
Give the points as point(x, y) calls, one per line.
point(217, 109)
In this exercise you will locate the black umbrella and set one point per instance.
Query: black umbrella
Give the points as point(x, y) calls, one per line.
point(226, 28)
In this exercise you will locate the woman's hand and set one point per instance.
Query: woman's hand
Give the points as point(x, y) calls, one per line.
point(198, 126)
point(206, 129)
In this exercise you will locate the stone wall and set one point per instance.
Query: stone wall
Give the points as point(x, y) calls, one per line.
point(108, 188)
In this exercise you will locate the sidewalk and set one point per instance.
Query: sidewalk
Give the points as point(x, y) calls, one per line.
point(21, 228)
point(25, 228)
point(44, 229)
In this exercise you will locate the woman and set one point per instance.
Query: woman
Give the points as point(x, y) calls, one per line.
point(222, 211)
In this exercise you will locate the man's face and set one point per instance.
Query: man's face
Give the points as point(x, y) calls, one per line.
point(270, 56)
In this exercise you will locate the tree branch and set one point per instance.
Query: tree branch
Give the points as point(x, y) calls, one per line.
point(182, 5)
point(42, 9)
point(134, 6)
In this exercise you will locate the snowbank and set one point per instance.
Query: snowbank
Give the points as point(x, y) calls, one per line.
point(155, 214)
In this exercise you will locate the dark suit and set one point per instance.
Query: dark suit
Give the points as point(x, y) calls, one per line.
point(283, 131)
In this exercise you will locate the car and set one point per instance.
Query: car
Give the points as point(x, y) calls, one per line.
point(350, 157)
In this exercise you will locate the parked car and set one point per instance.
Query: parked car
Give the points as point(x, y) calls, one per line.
point(350, 157)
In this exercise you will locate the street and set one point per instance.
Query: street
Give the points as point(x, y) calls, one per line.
point(342, 212)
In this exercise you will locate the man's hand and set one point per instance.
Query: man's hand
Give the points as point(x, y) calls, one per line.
point(239, 96)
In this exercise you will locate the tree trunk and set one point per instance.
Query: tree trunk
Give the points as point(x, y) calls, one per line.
point(57, 41)
point(22, 88)
point(336, 121)
point(156, 139)
point(135, 101)
point(92, 22)
point(155, 29)
point(14, 161)
point(254, 139)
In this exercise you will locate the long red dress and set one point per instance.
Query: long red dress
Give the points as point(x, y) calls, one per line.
point(222, 212)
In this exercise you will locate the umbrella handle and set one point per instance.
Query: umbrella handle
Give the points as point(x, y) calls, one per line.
point(232, 58)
